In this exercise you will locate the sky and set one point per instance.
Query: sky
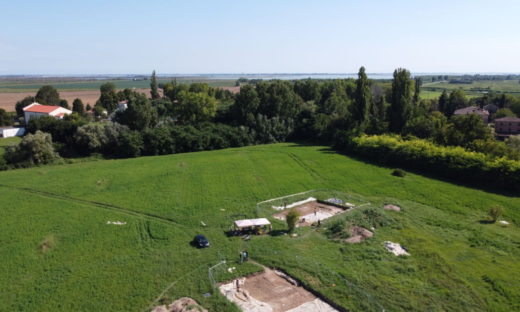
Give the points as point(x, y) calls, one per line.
point(258, 36)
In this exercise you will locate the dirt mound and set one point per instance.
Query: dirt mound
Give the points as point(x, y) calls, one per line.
point(358, 234)
point(183, 304)
point(392, 207)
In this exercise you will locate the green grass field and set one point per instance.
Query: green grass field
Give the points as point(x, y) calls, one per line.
point(58, 253)
point(477, 88)
point(7, 142)
point(32, 85)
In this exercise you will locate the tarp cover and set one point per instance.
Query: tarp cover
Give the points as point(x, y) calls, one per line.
point(252, 222)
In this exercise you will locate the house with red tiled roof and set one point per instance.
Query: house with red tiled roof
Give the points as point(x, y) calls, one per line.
point(38, 110)
point(484, 114)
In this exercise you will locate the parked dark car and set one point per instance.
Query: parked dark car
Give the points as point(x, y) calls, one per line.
point(201, 241)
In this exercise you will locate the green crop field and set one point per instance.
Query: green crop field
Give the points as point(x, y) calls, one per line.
point(32, 85)
point(477, 88)
point(59, 254)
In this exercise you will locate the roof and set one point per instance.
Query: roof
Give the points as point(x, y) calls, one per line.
point(471, 110)
point(38, 108)
point(508, 119)
point(252, 222)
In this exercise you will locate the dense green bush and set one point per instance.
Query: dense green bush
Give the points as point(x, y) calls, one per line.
point(399, 173)
point(452, 162)
point(34, 149)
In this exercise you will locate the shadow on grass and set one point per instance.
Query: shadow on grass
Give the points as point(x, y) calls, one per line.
point(275, 233)
point(486, 222)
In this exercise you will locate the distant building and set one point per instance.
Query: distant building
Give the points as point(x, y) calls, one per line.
point(7, 132)
point(484, 114)
point(506, 126)
point(38, 110)
point(122, 105)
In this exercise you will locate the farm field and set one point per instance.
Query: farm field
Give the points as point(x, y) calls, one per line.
point(59, 253)
point(477, 88)
point(12, 91)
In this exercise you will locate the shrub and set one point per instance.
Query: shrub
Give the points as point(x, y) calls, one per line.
point(34, 149)
point(398, 173)
point(448, 161)
point(291, 218)
point(495, 212)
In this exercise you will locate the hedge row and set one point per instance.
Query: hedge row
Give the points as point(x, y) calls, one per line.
point(447, 161)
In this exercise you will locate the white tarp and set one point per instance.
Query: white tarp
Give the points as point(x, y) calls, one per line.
point(298, 203)
point(252, 222)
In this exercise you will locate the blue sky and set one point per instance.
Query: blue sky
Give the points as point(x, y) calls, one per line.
point(258, 36)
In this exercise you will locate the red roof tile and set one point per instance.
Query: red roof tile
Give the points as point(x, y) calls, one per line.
point(37, 108)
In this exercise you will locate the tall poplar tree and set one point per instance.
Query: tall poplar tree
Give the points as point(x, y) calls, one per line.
point(154, 92)
point(362, 100)
point(401, 100)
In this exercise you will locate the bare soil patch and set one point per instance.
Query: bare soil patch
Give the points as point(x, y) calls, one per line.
point(233, 90)
point(391, 207)
point(8, 99)
point(358, 234)
point(184, 304)
point(272, 291)
point(311, 212)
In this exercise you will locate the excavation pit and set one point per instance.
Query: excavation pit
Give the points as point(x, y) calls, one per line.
point(312, 210)
point(272, 291)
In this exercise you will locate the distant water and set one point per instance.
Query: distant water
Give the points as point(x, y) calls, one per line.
point(233, 76)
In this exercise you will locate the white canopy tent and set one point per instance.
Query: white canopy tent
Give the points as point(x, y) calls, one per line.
point(251, 224)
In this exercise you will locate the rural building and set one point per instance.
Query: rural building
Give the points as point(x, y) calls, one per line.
point(7, 132)
point(38, 110)
point(122, 105)
point(474, 110)
point(507, 126)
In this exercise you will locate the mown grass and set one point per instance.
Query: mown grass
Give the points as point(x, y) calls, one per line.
point(457, 263)
point(4, 142)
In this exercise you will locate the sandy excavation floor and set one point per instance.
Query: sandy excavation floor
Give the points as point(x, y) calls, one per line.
point(311, 212)
point(272, 291)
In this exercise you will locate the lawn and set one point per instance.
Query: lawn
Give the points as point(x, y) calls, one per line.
point(7, 142)
point(58, 253)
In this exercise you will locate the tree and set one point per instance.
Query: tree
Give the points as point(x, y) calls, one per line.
point(246, 105)
point(154, 92)
point(195, 107)
point(88, 108)
point(64, 103)
point(417, 90)
point(464, 129)
point(291, 219)
point(308, 90)
point(504, 112)
point(362, 101)
point(28, 100)
point(513, 142)
point(108, 98)
point(400, 109)
point(78, 107)
point(443, 102)
point(48, 95)
point(6, 119)
point(456, 101)
point(34, 149)
point(140, 114)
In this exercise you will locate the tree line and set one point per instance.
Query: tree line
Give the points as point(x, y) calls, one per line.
point(194, 117)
